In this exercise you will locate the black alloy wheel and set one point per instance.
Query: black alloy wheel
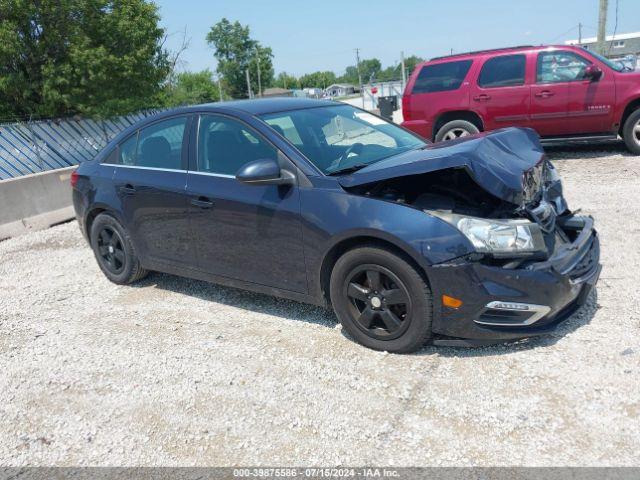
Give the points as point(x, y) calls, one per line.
point(114, 250)
point(380, 303)
point(111, 250)
point(382, 299)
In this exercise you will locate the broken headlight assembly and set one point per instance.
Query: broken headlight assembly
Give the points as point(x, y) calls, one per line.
point(499, 238)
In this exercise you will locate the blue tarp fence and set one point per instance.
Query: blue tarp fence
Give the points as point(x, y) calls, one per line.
point(38, 146)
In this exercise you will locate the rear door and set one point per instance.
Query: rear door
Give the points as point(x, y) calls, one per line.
point(500, 94)
point(150, 178)
point(555, 71)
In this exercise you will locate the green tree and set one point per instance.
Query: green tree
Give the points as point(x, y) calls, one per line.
point(284, 80)
point(318, 79)
point(91, 57)
point(411, 62)
point(369, 70)
point(236, 52)
point(192, 88)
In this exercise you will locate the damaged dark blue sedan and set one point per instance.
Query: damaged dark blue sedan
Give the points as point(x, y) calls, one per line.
point(464, 243)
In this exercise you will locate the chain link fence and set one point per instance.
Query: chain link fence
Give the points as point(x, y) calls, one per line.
point(37, 146)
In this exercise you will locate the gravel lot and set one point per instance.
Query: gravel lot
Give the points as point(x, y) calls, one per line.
point(179, 372)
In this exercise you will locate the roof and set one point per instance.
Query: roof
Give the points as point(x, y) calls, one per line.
point(608, 38)
point(521, 48)
point(260, 106)
point(480, 52)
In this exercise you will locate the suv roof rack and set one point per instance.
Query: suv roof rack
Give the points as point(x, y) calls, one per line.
point(476, 52)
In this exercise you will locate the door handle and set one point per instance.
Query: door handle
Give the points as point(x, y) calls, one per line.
point(201, 202)
point(483, 97)
point(128, 189)
point(545, 94)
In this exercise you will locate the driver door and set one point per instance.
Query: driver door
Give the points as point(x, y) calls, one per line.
point(245, 232)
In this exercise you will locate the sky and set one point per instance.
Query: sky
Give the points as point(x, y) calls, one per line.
point(312, 35)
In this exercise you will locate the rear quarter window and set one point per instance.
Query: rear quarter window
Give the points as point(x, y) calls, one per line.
point(441, 77)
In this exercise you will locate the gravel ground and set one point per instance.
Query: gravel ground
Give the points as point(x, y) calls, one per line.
point(179, 372)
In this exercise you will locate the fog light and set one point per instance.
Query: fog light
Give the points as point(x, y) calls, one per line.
point(451, 302)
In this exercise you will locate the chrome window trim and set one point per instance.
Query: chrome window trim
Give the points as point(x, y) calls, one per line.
point(538, 311)
point(211, 174)
point(147, 168)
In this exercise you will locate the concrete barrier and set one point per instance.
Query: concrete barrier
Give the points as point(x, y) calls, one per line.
point(34, 202)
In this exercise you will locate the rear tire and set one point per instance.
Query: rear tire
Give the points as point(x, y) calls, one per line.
point(114, 251)
point(631, 132)
point(381, 300)
point(456, 129)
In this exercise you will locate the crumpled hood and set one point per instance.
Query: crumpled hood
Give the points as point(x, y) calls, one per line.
point(507, 163)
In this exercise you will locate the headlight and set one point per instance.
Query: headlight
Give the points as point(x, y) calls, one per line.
point(501, 238)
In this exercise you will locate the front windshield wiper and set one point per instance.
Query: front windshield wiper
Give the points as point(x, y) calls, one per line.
point(349, 169)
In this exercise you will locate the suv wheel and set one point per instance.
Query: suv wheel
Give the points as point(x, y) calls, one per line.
point(631, 132)
point(114, 251)
point(381, 300)
point(455, 129)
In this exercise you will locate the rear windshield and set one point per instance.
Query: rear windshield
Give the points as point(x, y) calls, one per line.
point(441, 77)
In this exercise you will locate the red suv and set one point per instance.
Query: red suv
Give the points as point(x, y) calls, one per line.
point(565, 93)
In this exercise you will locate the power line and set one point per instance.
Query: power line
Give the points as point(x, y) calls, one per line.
point(564, 33)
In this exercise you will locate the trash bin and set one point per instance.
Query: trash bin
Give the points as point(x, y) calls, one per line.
point(387, 106)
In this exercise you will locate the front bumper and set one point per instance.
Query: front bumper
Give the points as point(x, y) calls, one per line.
point(560, 284)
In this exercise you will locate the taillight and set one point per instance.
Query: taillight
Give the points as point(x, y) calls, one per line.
point(74, 178)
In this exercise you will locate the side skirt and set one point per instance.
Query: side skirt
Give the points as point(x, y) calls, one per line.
point(187, 272)
point(605, 137)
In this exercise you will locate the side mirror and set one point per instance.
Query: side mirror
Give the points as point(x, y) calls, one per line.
point(265, 171)
point(593, 73)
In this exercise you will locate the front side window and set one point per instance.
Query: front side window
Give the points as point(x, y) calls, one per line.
point(341, 137)
point(560, 66)
point(441, 77)
point(504, 71)
point(225, 145)
point(160, 145)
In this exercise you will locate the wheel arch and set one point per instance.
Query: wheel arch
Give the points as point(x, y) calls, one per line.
point(93, 212)
point(631, 107)
point(358, 241)
point(449, 116)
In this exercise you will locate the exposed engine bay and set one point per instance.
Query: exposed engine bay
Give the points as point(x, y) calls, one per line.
point(450, 190)
point(453, 193)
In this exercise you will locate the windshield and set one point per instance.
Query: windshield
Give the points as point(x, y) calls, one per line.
point(341, 138)
point(617, 66)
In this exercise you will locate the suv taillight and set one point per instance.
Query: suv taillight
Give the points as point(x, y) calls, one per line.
point(74, 178)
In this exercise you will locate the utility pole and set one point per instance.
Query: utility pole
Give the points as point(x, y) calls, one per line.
point(259, 82)
point(248, 83)
point(580, 34)
point(602, 26)
point(220, 87)
point(404, 72)
point(359, 75)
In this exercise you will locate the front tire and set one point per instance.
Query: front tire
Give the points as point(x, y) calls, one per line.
point(455, 129)
point(631, 132)
point(381, 300)
point(114, 251)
